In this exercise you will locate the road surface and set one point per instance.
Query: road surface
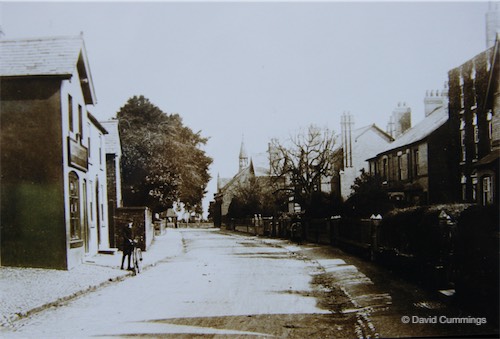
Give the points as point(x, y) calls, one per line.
point(230, 285)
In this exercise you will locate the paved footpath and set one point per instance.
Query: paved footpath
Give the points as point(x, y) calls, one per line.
point(24, 291)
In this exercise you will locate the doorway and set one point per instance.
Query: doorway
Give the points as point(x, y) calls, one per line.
point(98, 213)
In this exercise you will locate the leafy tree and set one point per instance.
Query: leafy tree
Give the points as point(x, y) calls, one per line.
point(304, 163)
point(162, 161)
point(368, 197)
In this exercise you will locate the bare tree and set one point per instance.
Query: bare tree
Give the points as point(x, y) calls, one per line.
point(304, 162)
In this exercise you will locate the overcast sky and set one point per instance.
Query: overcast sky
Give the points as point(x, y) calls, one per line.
point(258, 69)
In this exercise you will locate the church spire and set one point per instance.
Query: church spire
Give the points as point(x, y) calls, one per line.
point(243, 155)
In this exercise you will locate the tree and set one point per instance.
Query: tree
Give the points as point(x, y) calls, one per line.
point(251, 197)
point(368, 197)
point(304, 163)
point(162, 160)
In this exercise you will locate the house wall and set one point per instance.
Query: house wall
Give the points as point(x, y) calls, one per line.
point(364, 147)
point(32, 191)
point(92, 180)
point(97, 178)
point(406, 176)
point(440, 166)
point(470, 114)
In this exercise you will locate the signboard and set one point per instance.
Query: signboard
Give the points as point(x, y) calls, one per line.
point(78, 155)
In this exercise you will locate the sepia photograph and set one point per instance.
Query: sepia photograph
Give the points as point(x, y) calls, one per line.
point(249, 169)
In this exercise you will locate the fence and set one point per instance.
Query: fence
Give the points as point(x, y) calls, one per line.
point(358, 233)
point(373, 240)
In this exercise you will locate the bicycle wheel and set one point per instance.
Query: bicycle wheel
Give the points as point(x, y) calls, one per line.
point(138, 260)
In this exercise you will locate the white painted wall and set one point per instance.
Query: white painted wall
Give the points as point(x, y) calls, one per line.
point(95, 174)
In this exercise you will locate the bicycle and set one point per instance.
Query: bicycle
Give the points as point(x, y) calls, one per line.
point(137, 258)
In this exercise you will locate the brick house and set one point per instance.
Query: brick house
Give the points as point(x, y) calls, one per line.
point(53, 184)
point(414, 168)
point(474, 109)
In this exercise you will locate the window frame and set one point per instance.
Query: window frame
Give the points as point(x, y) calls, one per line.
point(74, 197)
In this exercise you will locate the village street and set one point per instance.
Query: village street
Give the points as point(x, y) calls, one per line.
point(231, 285)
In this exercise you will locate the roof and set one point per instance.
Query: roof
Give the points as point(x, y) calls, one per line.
point(358, 132)
point(47, 56)
point(97, 123)
point(261, 164)
point(493, 156)
point(249, 170)
point(422, 130)
point(113, 143)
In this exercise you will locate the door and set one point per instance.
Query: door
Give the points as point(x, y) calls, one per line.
point(86, 230)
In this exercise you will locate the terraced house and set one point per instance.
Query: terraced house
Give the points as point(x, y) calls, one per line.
point(53, 165)
point(414, 168)
point(474, 121)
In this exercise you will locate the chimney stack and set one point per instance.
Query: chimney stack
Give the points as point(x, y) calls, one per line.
point(346, 126)
point(400, 120)
point(492, 23)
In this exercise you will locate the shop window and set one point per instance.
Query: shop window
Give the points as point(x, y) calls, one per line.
point(74, 207)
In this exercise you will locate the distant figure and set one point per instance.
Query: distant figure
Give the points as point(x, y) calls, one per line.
point(128, 244)
point(297, 230)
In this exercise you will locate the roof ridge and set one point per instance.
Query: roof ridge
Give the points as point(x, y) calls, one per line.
point(412, 135)
point(44, 38)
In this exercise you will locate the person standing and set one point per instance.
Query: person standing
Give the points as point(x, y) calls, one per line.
point(128, 244)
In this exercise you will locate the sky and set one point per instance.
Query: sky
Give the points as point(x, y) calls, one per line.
point(261, 70)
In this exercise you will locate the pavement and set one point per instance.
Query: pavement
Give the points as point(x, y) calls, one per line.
point(25, 291)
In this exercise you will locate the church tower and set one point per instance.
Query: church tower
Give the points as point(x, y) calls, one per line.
point(243, 156)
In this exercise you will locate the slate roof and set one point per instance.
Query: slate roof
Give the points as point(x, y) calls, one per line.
point(113, 142)
point(39, 56)
point(420, 131)
point(47, 56)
